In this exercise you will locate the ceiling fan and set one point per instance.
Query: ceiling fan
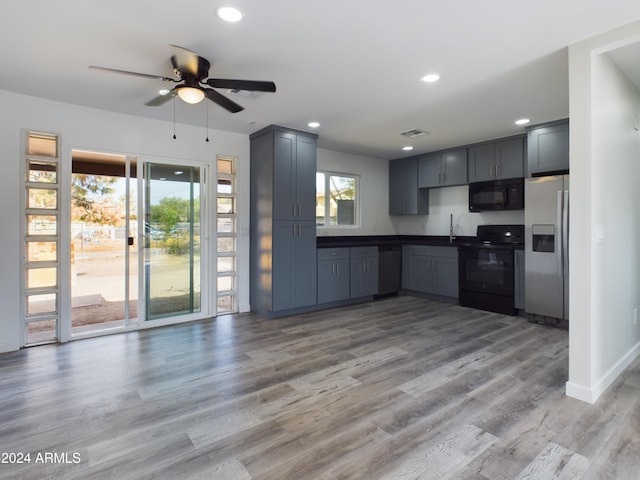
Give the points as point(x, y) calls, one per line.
point(193, 71)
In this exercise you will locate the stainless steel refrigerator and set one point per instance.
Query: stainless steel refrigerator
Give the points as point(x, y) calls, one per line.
point(546, 218)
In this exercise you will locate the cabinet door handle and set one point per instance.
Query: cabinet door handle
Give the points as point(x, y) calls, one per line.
point(444, 176)
point(498, 169)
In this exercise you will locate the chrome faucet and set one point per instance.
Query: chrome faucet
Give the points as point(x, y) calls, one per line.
point(452, 235)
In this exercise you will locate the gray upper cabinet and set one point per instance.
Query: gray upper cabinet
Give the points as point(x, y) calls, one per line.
point(405, 198)
point(548, 148)
point(294, 187)
point(496, 160)
point(442, 169)
point(283, 229)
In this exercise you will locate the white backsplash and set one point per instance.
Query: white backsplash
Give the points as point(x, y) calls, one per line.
point(443, 202)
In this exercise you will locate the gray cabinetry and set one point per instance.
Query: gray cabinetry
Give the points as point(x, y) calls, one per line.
point(548, 148)
point(293, 265)
point(294, 185)
point(431, 269)
point(364, 271)
point(333, 274)
point(283, 232)
point(442, 169)
point(405, 198)
point(496, 160)
point(518, 279)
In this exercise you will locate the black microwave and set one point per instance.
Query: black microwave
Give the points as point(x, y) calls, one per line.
point(497, 195)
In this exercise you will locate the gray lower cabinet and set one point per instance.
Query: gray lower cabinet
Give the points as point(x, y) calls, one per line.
point(333, 274)
point(405, 198)
point(293, 282)
point(430, 269)
point(548, 148)
point(364, 271)
point(497, 160)
point(518, 279)
point(442, 169)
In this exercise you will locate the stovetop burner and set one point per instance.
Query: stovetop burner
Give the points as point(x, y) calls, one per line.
point(490, 235)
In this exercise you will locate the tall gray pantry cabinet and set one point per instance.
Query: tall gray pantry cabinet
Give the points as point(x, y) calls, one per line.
point(283, 223)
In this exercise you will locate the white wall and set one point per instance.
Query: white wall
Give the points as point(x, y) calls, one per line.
point(374, 191)
point(447, 201)
point(374, 182)
point(92, 129)
point(605, 216)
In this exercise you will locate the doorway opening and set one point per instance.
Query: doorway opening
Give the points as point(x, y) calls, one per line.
point(104, 254)
point(136, 250)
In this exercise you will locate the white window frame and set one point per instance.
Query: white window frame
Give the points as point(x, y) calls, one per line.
point(233, 292)
point(327, 189)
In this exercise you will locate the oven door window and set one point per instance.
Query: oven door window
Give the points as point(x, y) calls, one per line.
point(486, 270)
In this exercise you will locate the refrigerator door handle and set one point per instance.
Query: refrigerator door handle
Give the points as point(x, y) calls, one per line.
point(559, 227)
point(565, 232)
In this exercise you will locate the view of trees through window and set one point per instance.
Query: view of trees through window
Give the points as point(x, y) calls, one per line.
point(336, 199)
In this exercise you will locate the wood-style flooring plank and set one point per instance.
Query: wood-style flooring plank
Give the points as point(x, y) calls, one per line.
point(400, 387)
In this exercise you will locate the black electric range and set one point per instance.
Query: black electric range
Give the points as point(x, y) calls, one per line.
point(486, 268)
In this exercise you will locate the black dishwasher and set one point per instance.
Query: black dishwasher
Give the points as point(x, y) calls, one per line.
point(389, 269)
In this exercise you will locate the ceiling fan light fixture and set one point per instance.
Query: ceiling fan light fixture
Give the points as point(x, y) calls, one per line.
point(190, 95)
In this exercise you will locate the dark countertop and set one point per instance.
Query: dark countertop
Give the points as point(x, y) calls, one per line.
point(393, 240)
point(390, 240)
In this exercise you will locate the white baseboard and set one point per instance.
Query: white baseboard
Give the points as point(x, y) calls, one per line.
point(591, 395)
point(244, 308)
point(579, 392)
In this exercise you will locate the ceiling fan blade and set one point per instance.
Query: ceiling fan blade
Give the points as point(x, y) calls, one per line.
point(223, 101)
point(126, 72)
point(249, 85)
point(161, 99)
point(189, 63)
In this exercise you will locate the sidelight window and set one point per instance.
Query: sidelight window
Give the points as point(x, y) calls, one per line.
point(41, 238)
point(226, 236)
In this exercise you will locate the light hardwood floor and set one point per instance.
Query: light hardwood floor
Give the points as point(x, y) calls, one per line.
point(399, 388)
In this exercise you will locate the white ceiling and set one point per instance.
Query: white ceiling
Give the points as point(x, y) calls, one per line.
point(352, 65)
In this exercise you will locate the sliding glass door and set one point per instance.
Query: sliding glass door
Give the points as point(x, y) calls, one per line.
point(172, 240)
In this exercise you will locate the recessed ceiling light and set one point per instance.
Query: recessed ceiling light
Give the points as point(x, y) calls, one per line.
point(314, 124)
point(230, 14)
point(178, 172)
point(408, 148)
point(522, 121)
point(430, 78)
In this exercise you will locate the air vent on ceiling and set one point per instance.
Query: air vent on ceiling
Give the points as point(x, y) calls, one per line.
point(414, 132)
